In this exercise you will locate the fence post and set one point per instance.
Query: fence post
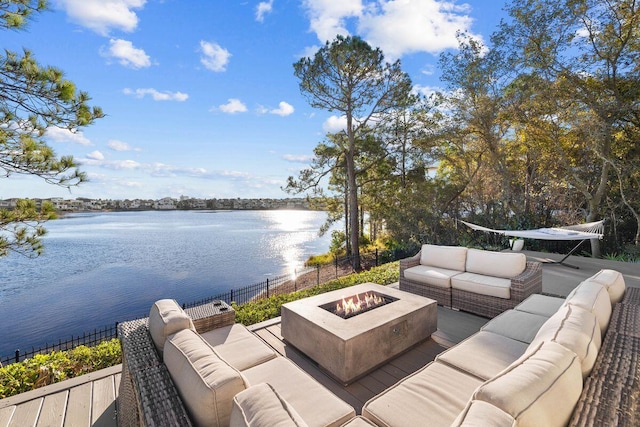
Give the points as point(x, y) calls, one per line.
point(117, 330)
point(267, 287)
point(335, 261)
point(231, 295)
point(376, 257)
point(17, 356)
point(318, 274)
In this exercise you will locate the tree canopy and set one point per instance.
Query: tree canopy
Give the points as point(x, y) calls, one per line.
point(33, 99)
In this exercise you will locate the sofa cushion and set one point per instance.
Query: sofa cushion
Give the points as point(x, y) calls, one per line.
point(483, 414)
point(498, 264)
point(313, 402)
point(447, 257)
point(166, 317)
point(542, 305)
point(577, 330)
point(261, 406)
point(359, 421)
point(517, 325)
point(539, 389)
point(206, 383)
point(437, 393)
point(592, 297)
point(613, 281)
point(483, 354)
point(483, 285)
point(238, 346)
point(435, 276)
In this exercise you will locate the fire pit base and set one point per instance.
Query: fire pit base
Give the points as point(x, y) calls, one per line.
point(350, 348)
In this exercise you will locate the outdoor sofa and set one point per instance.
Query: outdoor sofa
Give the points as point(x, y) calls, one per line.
point(480, 282)
point(542, 363)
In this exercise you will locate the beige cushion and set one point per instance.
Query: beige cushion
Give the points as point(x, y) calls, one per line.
point(483, 354)
point(447, 257)
point(498, 264)
point(434, 396)
point(166, 317)
point(238, 346)
point(359, 421)
point(577, 330)
point(613, 281)
point(539, 389)
point(483, 285)
point(435, 276)
point(542, 305)
point(261, 406)
point(315, 404)
point(517, 325)
point(594, 298)
point(483, 414)
point(206, 383)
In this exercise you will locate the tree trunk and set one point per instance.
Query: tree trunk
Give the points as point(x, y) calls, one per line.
point(352, 191)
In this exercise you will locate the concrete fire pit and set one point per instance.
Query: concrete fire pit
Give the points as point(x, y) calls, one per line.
point(349, 348)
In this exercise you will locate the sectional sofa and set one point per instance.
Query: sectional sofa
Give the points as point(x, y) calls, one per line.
point(525, 367)
point(481, 282)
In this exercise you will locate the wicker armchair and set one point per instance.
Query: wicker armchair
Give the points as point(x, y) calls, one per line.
point(147, 395)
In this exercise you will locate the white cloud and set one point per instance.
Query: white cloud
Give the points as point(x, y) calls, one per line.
point(335, 124)
point(214, 57)
point(116, 145)
point(398, 27)
point(297, 158)
point(327, 18)
point(262, 9)
point(95, 155)
point(65, 135)
point(233, 106)
point(157, 95)
point(405, 26)
point(425, 90)
point(102, 16)
point(284, 109)
point(126, 54)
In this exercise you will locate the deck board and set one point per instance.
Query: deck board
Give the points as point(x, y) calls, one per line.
point(103, 404)
point(6, 414)
point(53, 409)
point(79, 406)
point(26, 414)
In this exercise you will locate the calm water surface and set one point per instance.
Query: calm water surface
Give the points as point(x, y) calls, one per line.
point(107, 267)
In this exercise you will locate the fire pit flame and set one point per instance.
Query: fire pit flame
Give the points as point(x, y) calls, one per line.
point(351, 306)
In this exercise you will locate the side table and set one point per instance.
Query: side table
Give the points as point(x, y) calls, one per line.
point(213, 315)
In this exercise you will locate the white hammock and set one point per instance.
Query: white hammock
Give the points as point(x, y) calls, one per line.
point(591, 230)
point(582, 232)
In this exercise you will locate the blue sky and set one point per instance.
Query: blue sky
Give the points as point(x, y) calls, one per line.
point(200, 96)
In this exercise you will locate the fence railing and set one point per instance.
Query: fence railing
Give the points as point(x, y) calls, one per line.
point(264, 289)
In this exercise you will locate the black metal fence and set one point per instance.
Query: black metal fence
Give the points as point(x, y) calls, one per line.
point(264, 289)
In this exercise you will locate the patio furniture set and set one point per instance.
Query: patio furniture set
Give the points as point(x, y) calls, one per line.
point(526, 366)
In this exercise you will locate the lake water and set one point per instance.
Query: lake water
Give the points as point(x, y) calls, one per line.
point(106, 267)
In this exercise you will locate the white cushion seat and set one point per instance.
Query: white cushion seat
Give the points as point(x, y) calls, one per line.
point(594, 298)
point(483, 414)
point(430, 275)
point(238, 346)
point(205, 382)
point(437, 393)
point(542, 305)
point(518, 325)
point(166, 317)
point(483, 285)
point(577, 330)
point(483, 354)
point(539, 389)
point(316, 405)
point(261, 406)
point(497, 264)
point(613, 281)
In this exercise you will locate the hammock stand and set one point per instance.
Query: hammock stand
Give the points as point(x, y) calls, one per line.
point(582, 232)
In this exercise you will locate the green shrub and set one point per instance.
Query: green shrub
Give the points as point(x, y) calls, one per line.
point(268, 308)
point(44, 369)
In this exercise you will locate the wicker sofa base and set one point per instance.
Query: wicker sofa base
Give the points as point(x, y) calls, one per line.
point(482, 305)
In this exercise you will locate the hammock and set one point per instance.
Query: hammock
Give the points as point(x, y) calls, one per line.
point(582, 232)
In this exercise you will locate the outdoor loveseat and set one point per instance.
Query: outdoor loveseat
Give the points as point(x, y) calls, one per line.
point(542, 363)
point(481, 282)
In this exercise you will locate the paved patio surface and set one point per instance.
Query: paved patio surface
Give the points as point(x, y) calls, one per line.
point(90, 400)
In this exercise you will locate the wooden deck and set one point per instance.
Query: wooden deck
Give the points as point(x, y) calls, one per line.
point(90, 400)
